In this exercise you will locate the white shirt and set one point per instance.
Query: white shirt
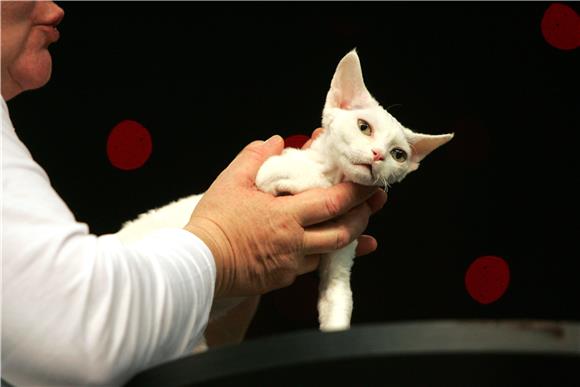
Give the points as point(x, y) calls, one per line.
point(78, 309)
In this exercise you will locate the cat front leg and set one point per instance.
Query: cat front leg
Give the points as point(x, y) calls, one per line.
point(291, 172)
point(335, 295)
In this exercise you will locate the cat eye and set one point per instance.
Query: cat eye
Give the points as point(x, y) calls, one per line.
point(364, 127)
point(399, 154)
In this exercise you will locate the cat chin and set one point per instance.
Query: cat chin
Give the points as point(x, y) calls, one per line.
point(359, 174)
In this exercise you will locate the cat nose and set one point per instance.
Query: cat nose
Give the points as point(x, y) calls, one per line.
point(377, 155)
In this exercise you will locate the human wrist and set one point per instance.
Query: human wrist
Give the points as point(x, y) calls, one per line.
point(217, 242)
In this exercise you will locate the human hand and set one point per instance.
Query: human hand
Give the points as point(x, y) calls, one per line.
point(366, 243)
point(261, 242)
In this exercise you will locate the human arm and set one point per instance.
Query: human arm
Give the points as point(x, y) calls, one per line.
point(78, 309)
point(232, 327)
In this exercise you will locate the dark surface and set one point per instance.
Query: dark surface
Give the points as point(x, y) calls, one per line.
point(439, 353)
point(206, 79)
point(461, 369)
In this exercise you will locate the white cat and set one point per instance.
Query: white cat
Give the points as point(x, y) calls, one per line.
point(361, 143)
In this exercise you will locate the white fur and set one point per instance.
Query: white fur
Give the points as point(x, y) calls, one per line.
point(175, 214)
point(344, 153)
point(333, 157)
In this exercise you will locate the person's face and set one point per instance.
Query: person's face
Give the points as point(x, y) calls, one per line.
point(28, 27)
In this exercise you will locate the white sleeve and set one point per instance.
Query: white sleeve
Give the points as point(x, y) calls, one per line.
point(78, 309)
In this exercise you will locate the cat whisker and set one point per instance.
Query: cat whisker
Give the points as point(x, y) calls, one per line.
point(381, 181)
point(385, 184)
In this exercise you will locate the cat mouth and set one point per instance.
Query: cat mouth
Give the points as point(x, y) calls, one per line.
point(375, 177)
point(367, 167)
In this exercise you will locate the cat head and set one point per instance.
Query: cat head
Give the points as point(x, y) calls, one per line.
point(371, 146)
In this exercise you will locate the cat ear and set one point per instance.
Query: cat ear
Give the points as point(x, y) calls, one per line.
point(423, 144)
point(347, 89)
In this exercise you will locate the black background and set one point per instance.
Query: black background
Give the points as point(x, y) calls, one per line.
point(206, 79)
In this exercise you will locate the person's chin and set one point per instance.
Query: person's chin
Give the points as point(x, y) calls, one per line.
point(35, 72)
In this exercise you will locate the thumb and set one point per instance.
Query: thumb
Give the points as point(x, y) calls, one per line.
point(251, 158)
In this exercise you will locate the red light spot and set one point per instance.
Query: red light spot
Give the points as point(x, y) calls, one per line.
point(487, 279)
point(296, 141)
point(561, 27)
point(129, 145)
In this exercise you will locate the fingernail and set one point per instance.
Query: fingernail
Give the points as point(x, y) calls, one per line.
point(274, 139)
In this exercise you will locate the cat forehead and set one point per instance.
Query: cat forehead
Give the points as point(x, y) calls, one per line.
point(377, 116)
point(382, 118)
point(383, 123)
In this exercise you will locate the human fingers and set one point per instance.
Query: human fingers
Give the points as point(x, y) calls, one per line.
point(321, 204)
point(317, 132)
point(338, 233)
point(308, 263)
point(366, 245)
point(250, 159)
point(377, 201)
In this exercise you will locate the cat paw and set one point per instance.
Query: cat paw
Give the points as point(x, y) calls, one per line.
point(334, 326)
point(333, 316)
